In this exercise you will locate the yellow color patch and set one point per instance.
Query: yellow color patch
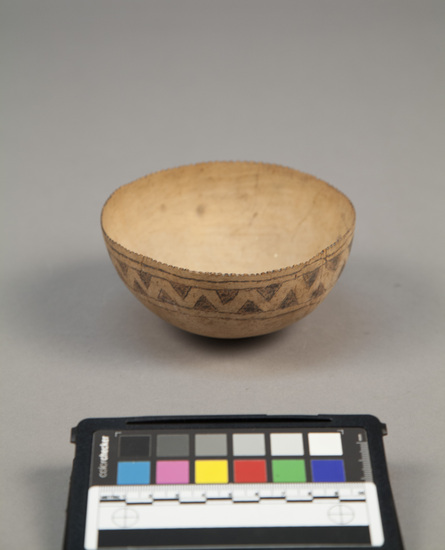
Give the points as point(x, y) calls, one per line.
point(211, 471)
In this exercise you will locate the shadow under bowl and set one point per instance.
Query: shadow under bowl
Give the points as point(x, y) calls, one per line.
point(229, 249)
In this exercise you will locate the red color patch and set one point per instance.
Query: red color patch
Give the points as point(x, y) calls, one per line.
point(250, 471)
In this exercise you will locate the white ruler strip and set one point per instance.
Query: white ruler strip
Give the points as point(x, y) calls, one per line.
point(233, 505)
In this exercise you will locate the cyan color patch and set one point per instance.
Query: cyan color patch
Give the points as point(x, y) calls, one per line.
point(328, 470)
point(133, 473)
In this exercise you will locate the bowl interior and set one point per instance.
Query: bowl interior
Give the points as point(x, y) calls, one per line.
point(228, 217)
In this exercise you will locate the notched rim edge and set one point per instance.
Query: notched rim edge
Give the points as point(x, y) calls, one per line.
point(294, 267)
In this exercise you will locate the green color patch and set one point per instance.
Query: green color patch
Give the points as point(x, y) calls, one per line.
point(288, 471)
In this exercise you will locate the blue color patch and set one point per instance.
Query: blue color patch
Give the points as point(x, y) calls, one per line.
point(133, 473)
point(328, 470)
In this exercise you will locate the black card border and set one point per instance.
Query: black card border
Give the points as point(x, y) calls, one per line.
point(82, 437)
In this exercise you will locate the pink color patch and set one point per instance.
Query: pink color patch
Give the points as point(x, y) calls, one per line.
point(172, 471)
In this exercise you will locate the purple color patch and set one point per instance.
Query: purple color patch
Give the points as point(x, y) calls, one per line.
point(172, 471)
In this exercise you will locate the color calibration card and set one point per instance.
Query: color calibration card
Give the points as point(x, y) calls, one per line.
point(231, 482)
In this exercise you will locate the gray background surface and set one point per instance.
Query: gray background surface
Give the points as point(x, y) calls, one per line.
point(96, 94)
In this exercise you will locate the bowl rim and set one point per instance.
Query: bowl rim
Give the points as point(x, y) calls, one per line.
point(143, 259)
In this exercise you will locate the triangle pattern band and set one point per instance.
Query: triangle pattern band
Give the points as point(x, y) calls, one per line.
point(309, 278)
point(145, 278)
point(181, 290)
point(289, 301)
point(269, 292)
point(165, 297)
point(203, 304)
point(319, 292)
point(123, 267)
point(227, 296)
point(137, 288)
point(333, 264)
point(249, 307)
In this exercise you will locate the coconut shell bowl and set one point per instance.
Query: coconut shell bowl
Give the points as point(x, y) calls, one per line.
point(229, 249)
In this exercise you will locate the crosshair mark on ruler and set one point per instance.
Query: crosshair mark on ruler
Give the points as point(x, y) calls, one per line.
point(125, 517)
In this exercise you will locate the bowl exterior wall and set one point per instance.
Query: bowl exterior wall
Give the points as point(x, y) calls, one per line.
point(231, 306)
